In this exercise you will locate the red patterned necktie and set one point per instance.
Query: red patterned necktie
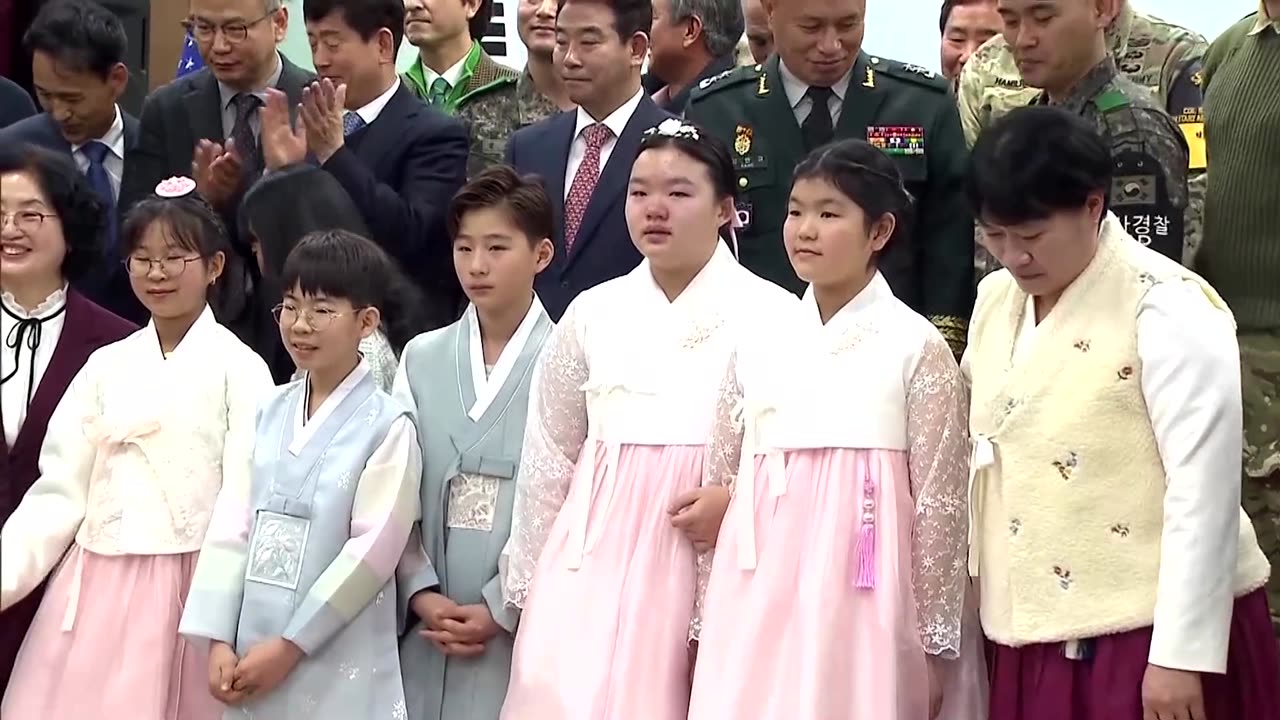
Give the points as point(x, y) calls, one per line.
point(584, 181)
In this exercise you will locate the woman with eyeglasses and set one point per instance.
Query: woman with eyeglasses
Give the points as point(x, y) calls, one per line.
point(135, 458)
point(51, 226)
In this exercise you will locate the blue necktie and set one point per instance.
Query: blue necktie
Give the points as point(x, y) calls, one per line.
point(351, 122)
point(100, 181)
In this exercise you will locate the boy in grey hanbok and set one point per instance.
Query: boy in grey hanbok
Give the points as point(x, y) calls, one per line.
point(470, 385)
point(295, 586)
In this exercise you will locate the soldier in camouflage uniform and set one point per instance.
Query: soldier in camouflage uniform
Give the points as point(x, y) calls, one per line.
point(492, 100)
point(1159, 56)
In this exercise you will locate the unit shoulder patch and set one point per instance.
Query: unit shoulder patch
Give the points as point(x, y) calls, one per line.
point(727, 79)
point(911, 73)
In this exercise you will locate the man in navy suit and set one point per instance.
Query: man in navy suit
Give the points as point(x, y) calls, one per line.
point(585, 155)
point(399, 160)
point(77, 61)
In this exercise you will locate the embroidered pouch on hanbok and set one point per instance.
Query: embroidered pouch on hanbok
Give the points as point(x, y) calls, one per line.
point(473, 502)
point(277, 549)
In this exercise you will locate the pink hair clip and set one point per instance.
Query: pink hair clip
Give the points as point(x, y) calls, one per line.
point(175, 187)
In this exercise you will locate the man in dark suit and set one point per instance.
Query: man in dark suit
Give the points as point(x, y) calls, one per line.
point(585, 156)
point(205, 125)
point(400, 160)
point(77, 59)
point(15, 103)
point(692, 42)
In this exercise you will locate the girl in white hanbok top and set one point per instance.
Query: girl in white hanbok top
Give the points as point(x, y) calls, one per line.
point(620, 412)
point(839, 575)
point(132, 463)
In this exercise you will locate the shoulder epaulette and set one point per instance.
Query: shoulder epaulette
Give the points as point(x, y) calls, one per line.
point(910, 73)
point(498, 83)
point(1111, 100)
point(727, 79)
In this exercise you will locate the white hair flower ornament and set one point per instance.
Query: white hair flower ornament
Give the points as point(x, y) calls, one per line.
point(674, 127)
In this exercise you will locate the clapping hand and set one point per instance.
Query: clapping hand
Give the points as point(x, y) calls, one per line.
point(217, 171)
point(323, 105)
point(282, 143)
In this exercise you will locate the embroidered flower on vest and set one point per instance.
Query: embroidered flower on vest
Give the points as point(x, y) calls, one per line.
point(1125, 372)
point(1015, 526)
point(1120, 530)
point(1064, 577)
point(1081, 345)
point(1067, 466)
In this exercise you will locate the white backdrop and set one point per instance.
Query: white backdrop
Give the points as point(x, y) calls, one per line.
point(905, 30)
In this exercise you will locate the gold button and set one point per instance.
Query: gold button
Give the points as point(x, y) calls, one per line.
point(742, 182)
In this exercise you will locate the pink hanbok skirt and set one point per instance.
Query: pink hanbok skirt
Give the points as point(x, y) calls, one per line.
point(1036, 682)
point(609, 640)
point(794, 638)
point(104, 645)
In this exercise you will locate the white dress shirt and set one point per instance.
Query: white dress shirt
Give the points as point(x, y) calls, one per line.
point(801, 104)
point(114, 162)
point(372, 109)
point(616, 122)
point(1191, 384)
point(19, 358)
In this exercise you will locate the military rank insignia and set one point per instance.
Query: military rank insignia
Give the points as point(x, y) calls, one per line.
point(897, 139)
point(762, 88)
point(870, 82)
point(742, 140)
point(919, 70)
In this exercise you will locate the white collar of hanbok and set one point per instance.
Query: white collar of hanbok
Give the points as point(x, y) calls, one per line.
point(705, 286)
point(485, 384)
point(205, 327)
point(304, 429)
point(875, 291)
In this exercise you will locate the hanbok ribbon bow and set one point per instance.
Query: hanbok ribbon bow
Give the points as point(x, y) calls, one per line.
point(981, 458)
point(752, 415)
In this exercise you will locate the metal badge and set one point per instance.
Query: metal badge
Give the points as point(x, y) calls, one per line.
point(277, 549)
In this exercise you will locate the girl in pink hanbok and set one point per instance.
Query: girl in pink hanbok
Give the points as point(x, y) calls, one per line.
point(134, 458)
point(840, 571)
point(620, 411)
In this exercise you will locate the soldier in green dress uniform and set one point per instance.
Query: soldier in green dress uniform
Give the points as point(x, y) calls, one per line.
point(766, 113)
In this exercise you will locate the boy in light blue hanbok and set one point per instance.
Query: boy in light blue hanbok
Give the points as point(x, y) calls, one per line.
point(470, 385)
point(295, 587)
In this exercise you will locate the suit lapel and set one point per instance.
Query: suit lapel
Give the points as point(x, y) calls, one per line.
point(861, 101)
point(130, 131)
point(617, 172)
point(292, 80)
point(204, 108)
point(560, 132)
point(383, 135)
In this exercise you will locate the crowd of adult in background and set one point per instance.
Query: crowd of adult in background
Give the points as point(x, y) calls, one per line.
point(699, 162)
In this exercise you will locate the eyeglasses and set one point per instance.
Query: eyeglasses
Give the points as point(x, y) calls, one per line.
point(27, 221)
point(172, 267)
point(205, 31)
point(318, 319)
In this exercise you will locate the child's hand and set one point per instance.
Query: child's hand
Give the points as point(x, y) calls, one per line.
point(698, 514)
point(433, 608)
point(472, 624)
point(222, 673)
point(266, 665)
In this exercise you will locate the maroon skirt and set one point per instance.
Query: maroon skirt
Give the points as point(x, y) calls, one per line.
point(1036, 682)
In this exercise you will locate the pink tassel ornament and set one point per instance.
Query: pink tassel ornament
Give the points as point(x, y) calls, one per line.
point(864, 555)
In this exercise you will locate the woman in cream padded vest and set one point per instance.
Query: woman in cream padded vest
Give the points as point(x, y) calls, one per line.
point(1119, 577)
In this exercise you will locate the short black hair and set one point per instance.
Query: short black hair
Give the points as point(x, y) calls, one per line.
point(343, 265)
point(945, 15)
point(1034, 162)
point(80, 34)
point(365, 17)
point(629, 16)
point(479, 23)
point(707, 149)
point(81, 211)
point(865, 175)
point(523, 197)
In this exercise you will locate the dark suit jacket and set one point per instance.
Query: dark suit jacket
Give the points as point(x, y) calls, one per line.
point(603, 249)
point(15, 103)
point(177, 116)
point(108, 287)
point(402, 170)
point(87, 328)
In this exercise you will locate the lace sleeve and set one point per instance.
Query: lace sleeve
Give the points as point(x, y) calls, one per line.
point(553, 438)
point(937, 410)
point(724, 449)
